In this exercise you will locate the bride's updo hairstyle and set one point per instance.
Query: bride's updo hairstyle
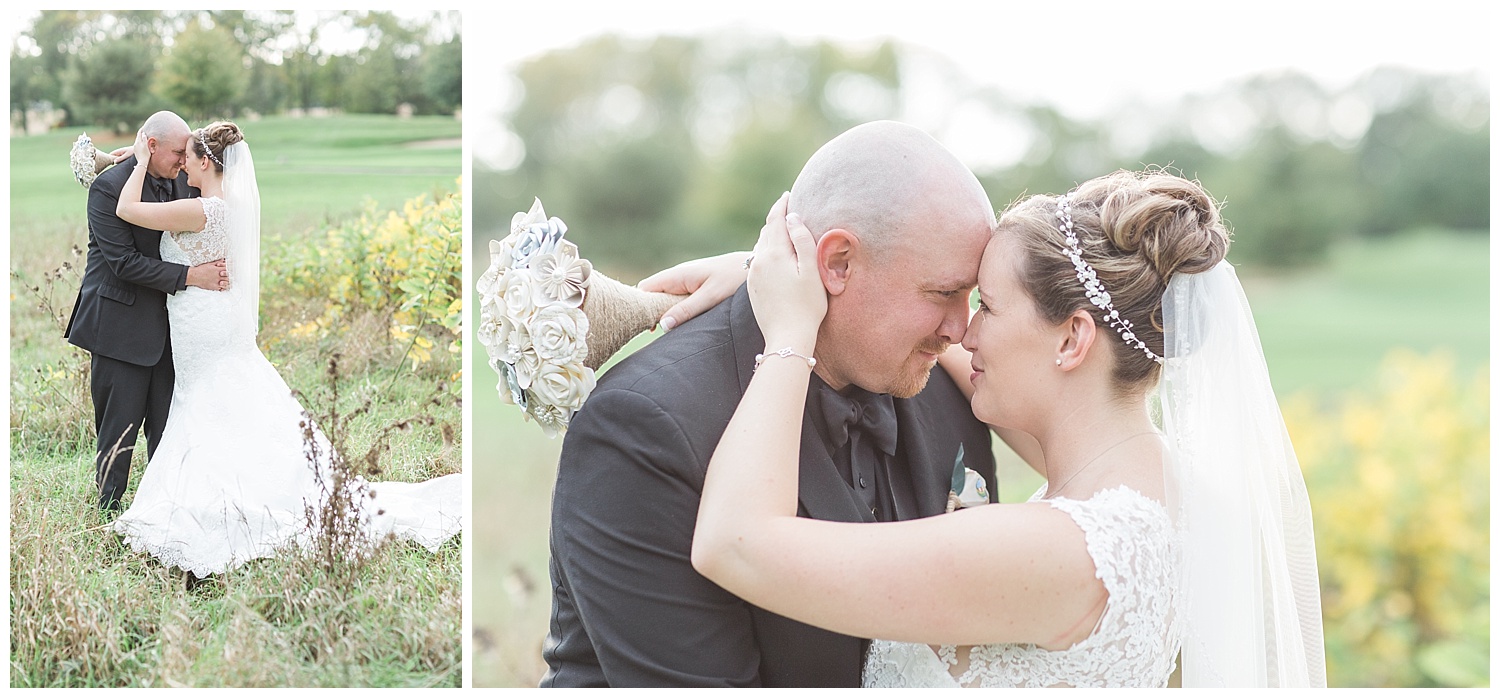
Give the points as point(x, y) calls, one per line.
point(1136, 229)
point(211, 140)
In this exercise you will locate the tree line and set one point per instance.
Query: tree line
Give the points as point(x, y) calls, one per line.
point(661, 149)
point(90, 65)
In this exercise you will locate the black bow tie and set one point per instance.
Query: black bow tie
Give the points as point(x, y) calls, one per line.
point(162, 187)
point(874, 415)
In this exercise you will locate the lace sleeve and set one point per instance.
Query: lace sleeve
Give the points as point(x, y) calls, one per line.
point(1134, 548)
point(212, 242)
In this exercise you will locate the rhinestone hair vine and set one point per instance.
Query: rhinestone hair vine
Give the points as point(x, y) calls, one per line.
point(1090, 280)
point(206, 149)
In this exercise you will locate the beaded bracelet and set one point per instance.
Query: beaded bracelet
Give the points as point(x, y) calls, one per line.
point(784, 353)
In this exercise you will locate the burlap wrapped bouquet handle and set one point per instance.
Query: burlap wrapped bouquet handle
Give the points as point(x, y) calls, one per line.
point(617, 313)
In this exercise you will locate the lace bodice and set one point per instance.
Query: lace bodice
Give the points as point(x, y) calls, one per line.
point(206, 245)
point(1134, 548)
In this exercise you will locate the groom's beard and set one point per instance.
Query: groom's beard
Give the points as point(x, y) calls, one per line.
point(916, 370)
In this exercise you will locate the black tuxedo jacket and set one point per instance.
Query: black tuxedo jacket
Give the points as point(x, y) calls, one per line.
point(628, 608)
point(121, 311)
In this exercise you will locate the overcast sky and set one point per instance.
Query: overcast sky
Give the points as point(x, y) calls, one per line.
point(1084, 56)
point(333, 39)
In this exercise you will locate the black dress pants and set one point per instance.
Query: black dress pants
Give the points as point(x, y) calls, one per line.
point(126, 395)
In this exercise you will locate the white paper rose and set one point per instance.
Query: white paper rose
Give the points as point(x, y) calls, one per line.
point(515, 292)
point(564, 385)
point(526, 366)
point(558, 334)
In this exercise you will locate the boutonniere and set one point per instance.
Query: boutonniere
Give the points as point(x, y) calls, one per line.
point(967, 489)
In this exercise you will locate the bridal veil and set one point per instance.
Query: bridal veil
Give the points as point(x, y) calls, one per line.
point(242, 195)
point(1249, 598)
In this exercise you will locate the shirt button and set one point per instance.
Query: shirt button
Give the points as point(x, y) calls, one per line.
point(861, 481)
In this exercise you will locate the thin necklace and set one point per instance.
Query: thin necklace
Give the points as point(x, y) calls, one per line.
point(1052, 493)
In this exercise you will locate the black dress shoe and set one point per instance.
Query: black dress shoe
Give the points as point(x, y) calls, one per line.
point(192, 581)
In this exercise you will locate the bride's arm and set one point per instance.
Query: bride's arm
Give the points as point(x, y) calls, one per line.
point(180, 215)
point(913, 581)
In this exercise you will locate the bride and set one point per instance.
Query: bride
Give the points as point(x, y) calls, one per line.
point(1142, 543)
point(240, 465)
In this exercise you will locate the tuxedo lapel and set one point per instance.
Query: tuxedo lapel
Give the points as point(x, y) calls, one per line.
point(929, 458)
point(821, 491)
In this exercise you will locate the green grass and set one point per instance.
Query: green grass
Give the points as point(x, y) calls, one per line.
point(85, 610)
point(310, 170)
point(1323, 330)
point(1328, 328)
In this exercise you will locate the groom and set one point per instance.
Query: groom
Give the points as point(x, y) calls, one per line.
point(900, 224)
point(120, 315)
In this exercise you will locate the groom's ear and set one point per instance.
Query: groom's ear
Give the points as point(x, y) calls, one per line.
point(835, 250)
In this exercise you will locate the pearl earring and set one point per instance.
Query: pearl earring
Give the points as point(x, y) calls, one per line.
point(1059, 362)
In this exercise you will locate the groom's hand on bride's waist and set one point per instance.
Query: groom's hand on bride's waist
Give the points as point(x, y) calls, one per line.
point(213, 276)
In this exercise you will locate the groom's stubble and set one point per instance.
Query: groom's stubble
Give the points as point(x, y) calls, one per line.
point(886, 330)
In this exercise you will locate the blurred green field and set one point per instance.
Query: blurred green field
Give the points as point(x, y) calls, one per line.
point(1325, 330)
point(310, 170)
point(1328, 327)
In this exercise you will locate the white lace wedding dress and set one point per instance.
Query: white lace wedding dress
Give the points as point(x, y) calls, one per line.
point(1134, 548)
point(230, 481)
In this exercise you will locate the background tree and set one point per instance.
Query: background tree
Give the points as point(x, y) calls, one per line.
point(300, 65)
point(204, 73)
point(53, 40)
point(108, 83)
point(664, 149)
point(385, 72)
point(282, 60)
point(374, 81)
point(266, 88)
point(673, 147)
point(442, 75)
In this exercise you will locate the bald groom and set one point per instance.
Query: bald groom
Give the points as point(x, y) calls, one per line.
point(901, 224)
point(120, 315)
